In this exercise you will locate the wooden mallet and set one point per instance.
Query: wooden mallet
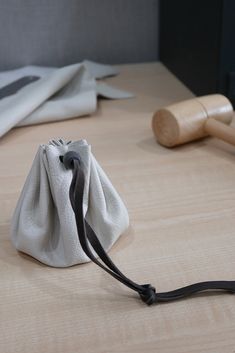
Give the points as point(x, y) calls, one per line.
point(193, 119)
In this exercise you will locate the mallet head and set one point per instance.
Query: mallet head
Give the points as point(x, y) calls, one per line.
point(185, 121)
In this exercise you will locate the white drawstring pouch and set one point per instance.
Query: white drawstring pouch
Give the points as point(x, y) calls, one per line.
point(43, 225)
point(69, 213)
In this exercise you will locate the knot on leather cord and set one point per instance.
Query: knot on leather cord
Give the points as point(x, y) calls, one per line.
point(68, 159)
point(148, 295)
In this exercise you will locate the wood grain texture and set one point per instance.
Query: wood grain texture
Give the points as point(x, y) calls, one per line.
point(182, 209)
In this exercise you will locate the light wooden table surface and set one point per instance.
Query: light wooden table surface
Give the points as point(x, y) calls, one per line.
point(182, 209)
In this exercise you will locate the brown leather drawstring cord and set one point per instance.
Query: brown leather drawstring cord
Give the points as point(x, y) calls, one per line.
point(88, 239)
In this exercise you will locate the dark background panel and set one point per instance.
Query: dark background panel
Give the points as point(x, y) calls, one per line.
point(226, 78)
point(189, 41)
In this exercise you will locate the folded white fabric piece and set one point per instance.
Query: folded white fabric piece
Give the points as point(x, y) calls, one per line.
point(43, 224)
point(59, 94)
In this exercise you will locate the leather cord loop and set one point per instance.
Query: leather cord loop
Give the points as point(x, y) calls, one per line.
point(69, 158)
point(88, 239)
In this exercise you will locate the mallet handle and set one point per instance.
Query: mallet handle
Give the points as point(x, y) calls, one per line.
point(220, 130)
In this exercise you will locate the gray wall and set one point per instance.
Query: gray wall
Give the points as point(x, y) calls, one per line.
point(60, 32)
